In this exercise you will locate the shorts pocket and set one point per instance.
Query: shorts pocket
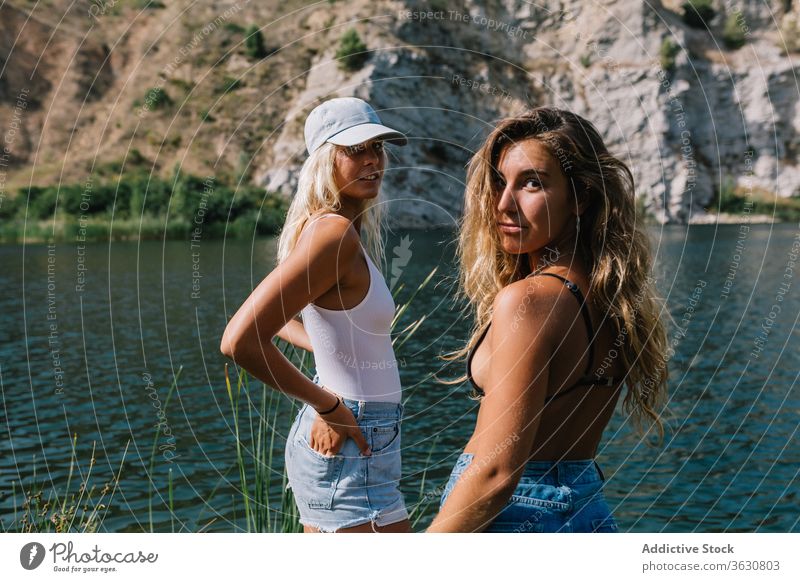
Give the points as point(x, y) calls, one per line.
point(315, 476)
point(382, 436)
point(384, 465)
point(604, 525)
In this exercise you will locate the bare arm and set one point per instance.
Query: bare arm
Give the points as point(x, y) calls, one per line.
point(509, 413)
point(295, 333)
point(326, 250)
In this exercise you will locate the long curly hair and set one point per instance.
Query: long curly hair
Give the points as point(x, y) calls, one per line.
point(614, 246)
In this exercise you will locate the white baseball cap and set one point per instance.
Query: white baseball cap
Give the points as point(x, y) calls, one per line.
point(346, 121)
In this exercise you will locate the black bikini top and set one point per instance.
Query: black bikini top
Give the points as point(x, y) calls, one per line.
point(586, 379)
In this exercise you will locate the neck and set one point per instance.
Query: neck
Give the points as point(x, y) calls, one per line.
point(352, 209)
point(562, 252)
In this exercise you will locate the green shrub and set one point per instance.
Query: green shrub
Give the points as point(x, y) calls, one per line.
point(669, 50)
point(254, 43)
point(228, 85)
point(733, 34)
point(234, 27)
point(8, 206)
point(352, 52)
point(151, 4)
point(156, 98)
point(727, 199)
point(41, 202)
point(698, 13)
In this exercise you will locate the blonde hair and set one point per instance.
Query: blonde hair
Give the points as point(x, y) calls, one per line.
point(317, 194)
point(616, 250)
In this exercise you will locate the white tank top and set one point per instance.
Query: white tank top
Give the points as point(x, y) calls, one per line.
point(353, 350)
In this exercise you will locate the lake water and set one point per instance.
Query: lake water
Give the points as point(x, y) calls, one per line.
point(90, 337)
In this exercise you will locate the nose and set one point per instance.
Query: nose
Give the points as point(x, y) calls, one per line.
point(507, 202)
point(371, 157)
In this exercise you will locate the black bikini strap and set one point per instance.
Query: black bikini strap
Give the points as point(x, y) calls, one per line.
point(576, 292)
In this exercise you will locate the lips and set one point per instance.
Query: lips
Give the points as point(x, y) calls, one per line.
point(510, 227)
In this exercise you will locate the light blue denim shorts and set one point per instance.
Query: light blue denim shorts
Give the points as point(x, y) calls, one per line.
point(348, 489)
point(564, 496)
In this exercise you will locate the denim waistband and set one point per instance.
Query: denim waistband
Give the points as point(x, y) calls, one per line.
point(573, 472)
point(365, 409)
point(369, 409)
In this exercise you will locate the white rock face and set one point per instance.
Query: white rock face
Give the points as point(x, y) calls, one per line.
point(718, 115)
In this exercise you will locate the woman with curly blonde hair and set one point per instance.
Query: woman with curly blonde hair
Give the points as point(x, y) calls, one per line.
point(557, 272)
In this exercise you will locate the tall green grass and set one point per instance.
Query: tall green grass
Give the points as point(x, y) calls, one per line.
point(78, 511)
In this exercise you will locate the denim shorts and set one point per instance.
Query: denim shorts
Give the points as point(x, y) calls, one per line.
point(564, 496)
point(348, 489)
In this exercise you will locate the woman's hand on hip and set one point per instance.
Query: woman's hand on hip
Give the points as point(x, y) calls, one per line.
point(330, 431)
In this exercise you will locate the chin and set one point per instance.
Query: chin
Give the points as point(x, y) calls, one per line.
point(366, 194)
point(513, 245)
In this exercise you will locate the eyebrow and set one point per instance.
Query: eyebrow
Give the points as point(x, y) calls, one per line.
point(537, 171)
point(528, 172)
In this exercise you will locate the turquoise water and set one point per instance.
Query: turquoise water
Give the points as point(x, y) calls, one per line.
point(90, 337)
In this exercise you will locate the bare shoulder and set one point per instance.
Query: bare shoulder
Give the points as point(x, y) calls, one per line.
point(333, 237)
point(533, 303)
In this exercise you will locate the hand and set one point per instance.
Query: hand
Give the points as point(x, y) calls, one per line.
point(329, 432)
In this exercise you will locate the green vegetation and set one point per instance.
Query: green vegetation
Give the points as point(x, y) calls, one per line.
point(228, 85)
point(156, 98)
point(352, 52)
point(143, 4)
point(733, 34)
point(254, 43)
point(669, 50)
point(643, 215)
point(254, 456)
point(136, 205)
point(731, 199)
point(586, 60)
point(74, 512)
point(234, 27)
point(698, 13)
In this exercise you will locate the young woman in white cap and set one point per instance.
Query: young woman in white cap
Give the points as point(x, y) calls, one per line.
point(343, 450)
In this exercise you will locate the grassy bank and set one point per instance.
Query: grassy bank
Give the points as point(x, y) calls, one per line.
point(732, 199)
point(136, 205)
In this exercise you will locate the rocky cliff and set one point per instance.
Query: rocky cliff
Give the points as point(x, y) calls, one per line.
point(691, 105)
